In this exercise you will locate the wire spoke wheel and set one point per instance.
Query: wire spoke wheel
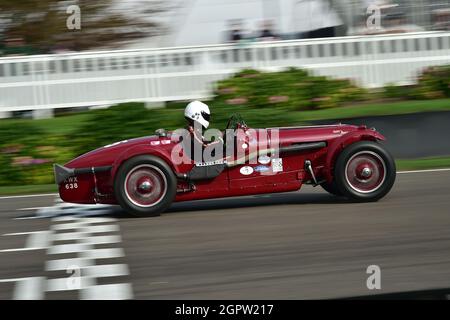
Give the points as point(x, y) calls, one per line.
point(365, 172)
point(145, 185)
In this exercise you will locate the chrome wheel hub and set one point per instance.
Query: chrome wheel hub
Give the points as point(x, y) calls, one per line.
point(366, 173)
point(145, 186)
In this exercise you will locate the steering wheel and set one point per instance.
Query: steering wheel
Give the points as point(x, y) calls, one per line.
point(235, 122)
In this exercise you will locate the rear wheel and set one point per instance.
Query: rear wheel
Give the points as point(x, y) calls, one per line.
point(365, 171)
point(145, 186)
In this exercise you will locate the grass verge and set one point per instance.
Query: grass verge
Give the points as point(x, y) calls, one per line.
point(376, 109)
point(59, 125)
point(423, 164)
point(22, 190)
point(70, 123)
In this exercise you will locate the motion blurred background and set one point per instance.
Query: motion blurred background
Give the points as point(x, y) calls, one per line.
point(76, 75)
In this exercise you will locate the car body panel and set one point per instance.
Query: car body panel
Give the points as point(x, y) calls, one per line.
point(234, 181)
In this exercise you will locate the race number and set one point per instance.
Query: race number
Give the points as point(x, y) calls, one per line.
point(277, 165)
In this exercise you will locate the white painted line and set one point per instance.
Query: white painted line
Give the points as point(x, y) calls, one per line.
point(36, 241)
point(67, 284)
point(30, 218)
point(69, 226)
point(60, 284)
point(121, 291)
point(21, 233)
point(100, 228)
point(79, 210)
point(29, 196)
point(105, 270)
point(102, 239)
point(19, 250)
point(105, 253)
point(91, 220)
point(31, 209)
point(99, 220)
point(12, 280)
point(64, 264)
point(68, 236)
point(65, 219)
point(425, 171)
point(68, 248)
point(29, 289)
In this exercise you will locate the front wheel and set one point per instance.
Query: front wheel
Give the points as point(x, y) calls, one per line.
point(365, 171)
point(331, 188)
point(145, 186)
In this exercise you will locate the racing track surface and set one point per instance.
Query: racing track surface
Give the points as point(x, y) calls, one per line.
point(283, 246)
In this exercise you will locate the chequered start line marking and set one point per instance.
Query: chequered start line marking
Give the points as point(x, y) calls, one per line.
point(84, 257)
point(82, 272)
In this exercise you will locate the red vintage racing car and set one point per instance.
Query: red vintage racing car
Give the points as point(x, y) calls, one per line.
point(142, 177)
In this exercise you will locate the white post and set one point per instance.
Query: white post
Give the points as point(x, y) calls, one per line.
point(155, 105)
point(5, 114)
point(43, 114)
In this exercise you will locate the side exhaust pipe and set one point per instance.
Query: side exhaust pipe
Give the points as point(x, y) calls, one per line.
point(62, 173)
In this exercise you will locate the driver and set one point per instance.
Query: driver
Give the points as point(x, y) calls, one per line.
point(198, 115)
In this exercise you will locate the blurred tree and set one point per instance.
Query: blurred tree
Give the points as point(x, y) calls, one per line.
point(42, 24)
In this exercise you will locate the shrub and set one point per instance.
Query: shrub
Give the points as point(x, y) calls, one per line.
point(434, 83)
point(392, 91)
point(293, 89)
point(22, 160)
point(121, 122)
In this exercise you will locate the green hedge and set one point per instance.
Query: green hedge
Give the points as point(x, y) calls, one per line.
point(293, 89)
point(121, 122)
point(433, 83)
point(27, 154)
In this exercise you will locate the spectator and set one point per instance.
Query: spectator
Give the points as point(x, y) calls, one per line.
point(16, 46)
point(267, 33)
point(235, 33)
point(441, 20)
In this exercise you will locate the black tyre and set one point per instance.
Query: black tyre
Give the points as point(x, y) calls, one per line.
point(331, 188)
point(145, 186)
point(365, 171)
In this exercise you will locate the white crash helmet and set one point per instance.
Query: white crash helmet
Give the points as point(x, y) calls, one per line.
point(198, 111)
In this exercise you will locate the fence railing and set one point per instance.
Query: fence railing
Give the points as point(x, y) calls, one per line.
point(157, 75)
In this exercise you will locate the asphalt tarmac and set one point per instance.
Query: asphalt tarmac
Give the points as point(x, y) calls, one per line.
point(299, 245)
